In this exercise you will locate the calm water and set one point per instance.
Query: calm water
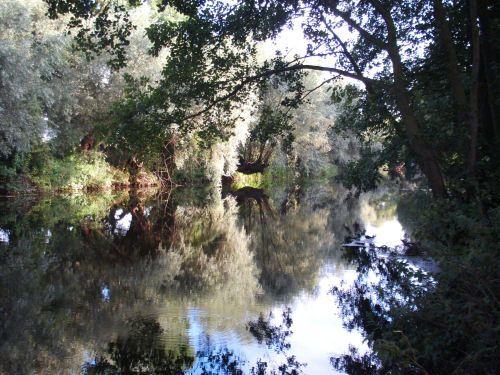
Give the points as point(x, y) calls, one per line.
point(188, 282)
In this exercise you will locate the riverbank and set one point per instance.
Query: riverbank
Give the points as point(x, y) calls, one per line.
point(82, 172)
point(460, 309)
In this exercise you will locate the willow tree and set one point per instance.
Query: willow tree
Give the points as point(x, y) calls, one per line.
point(212, 66)
point(273, 127)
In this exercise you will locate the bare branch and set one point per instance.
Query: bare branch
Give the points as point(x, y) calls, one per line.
point(309, 92)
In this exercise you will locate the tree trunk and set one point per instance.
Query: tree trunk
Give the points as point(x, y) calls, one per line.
point(168, 162)
point(474, 89)
point(487, 20)
point(88, 141)
point(426, 156)
point(133, 170)
point(451, 61)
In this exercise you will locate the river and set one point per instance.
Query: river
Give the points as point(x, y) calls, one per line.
point(189, 281)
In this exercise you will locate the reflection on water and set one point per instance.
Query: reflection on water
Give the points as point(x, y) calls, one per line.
point(190, 282)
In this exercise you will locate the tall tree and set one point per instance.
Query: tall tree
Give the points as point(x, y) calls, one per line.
point(212, 66)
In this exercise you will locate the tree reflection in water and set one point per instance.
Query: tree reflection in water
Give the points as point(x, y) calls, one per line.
point(289, 241)
point(142, 352)
point(114, 278)
point(273, 336)
point(386, 290)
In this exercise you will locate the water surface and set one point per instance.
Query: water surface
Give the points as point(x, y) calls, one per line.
point(184, 282)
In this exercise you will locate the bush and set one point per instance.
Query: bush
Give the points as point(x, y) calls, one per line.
point(88, 171)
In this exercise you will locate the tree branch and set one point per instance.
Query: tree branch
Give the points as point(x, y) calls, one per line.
point(309, 92)
point(389, 23)
point(342, 45)
point(356, 26)
point(272, 72)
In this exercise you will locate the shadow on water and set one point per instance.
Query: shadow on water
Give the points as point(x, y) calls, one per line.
point(190, 282)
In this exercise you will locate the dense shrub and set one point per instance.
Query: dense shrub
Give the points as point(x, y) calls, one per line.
point(88, 171)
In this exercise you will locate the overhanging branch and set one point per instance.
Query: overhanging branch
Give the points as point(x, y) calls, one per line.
point(240, 86)
point(356, 26)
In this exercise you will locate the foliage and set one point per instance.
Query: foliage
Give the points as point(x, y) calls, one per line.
point(48, 93)
point(28, 62)
point(372, 119)
point(314, 151)
point(82, 88)
point(363, 173)
point(274, 337)
point(142, 352)
point(429, 323)
point(255, 180)
point(271, 125)
point(304, 136)
point(212, 69)
point(89, 171)
point(51, 94)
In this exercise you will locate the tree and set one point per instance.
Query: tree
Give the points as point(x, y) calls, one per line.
point(212, 67)
point(25, 87)
point(52, 95)
point(273, 126)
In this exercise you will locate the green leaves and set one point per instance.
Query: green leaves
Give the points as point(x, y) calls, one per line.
point(100, 26)
point(272, 125)
point(212, 71)
point(363, 173)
